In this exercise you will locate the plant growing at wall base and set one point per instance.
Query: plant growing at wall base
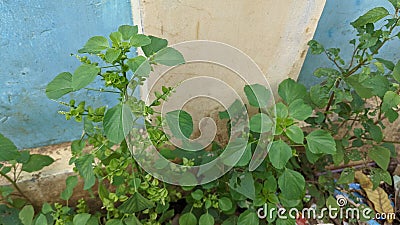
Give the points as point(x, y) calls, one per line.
point(325, 138)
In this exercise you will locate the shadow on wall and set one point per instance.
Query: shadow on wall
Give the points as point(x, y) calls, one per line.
point(36, 40)
point(334, 31)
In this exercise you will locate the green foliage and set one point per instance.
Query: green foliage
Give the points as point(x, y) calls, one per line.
point(188, 219)
point(71, 183)
point(12, 163)
point(37, 162)
point(279, 154)
point(180, 123)
point(337, 122)
point(26, 215)
point(257, 95)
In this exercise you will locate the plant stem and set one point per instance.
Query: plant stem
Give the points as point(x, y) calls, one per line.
point(386, 141)
point(331, 98)
point(354, 69)
point(15, 185)
point(101, 90)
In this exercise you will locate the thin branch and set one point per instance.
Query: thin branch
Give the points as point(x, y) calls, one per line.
point(102, 90)
point(15, 185)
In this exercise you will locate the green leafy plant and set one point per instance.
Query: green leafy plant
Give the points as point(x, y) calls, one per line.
point(324, 138)
point(12, 163)
point(128, 194)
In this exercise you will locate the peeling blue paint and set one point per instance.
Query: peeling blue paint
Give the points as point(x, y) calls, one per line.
point(36, 39)
point(334, 30)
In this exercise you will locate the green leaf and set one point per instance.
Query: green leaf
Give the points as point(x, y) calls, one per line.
point(116, 38)
point(135, 203)
point(231, 220)
point(281, 110)
point(26, 215)
point(84, 75)
point(311, 157)
point(169, 57)
point(81, 219)
point(246, 157)
point(115, 222)
point(248, 217)
point(378, 175)
point(279, 154)
point(379, 84)
point(321, 141)
point(396, 72)
point(388, 64)
point(292, 184)
point(319, 96)
point(140, 66)
point(332, 202)
point(8, 151)
point(376, 133)
point(315, 47)
point(326, 72)
point(371, 16)
point(77, 146)
point(23, 156)
point(290, 90)
point(300, 110)
point(392, 115)
point(206, 219)
point(133, 220)
point(188, 219)
point(225, 204)
point(113, 124)
point(359, 86)
point(197, 195)
point(95, 45)
point(395, 3)
point(295, 134)
point(270, 184)
point(156, 45)
point(339, 155)
point(139, 40)
point(85, 168)
point(244, 184)
point(46, 208)
point(41, 220)
point(390, 100)
point(71, 183)
point(257, 95)
point(112, 55)
point(180, 123)
point(59, 86)
point(260, 123)
point(37, 162)
point(127, 31)
point(347, 176)
point(380, 155)
point(288, 221)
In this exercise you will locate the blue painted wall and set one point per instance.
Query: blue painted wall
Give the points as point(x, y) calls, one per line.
point(334, 30)
point(36, 39)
